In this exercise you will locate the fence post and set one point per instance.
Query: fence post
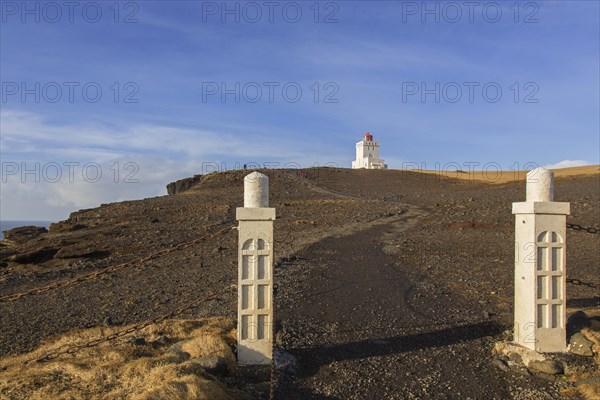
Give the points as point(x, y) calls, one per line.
point(255, 273)
point(540, 266)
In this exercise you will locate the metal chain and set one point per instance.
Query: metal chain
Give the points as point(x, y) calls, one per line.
point(72, 349)
point(108, 270)
point(579, 282)
point(577, 227)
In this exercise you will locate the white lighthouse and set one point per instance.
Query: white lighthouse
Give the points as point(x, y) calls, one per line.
point(367, 154)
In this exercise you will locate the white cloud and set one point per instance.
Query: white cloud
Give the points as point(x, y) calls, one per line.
point(567, 164)
point(34, 149)
point(25, 134)
point(28, 132)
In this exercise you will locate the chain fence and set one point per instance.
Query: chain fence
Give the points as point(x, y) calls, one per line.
point(592, 230)
point(577, 227)
point(74, 348)
point(285, 241)
point(579, 282)
point(71, 349)
point(114, 268)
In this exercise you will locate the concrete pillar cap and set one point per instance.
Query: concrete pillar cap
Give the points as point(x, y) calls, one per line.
point(256, 190)
point(540, 185)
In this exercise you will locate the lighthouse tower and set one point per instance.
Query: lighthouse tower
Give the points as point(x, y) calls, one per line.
point(367, 154)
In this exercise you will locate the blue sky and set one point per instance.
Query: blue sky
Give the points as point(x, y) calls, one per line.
point(369, 61)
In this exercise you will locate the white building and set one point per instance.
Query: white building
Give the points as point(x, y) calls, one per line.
point(367, 154)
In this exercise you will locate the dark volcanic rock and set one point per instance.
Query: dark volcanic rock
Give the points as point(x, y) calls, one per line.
point(65, 226)
point(580, 345)
point(78, 252)
point(24, 233)
point(577, 321)
point(550, 367)
point(212, 364)
point(183, 184)
point(137, 341)
point(34, 257)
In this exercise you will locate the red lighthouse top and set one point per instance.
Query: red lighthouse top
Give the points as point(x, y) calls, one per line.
point(368, 137)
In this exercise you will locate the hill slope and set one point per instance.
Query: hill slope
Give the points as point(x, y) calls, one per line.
point(396, 281)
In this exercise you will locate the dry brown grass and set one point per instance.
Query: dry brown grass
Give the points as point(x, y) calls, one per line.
point(119, 370)
point(501, 177)
point(591, 390)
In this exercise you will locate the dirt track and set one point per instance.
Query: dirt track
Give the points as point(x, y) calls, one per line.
point(361, 329)
point(391, 284)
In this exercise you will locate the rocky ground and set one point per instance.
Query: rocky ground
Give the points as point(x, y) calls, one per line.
point(391, 284)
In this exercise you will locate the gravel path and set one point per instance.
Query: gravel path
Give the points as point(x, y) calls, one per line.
point(362, 329)
point(391, 284)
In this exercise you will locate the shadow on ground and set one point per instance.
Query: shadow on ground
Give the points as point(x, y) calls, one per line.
point(583, 303)
point(311, 359)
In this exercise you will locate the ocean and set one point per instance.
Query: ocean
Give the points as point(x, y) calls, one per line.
point(7, 225)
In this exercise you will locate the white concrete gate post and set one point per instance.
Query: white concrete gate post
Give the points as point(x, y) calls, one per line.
point(540, 266)
point(255, 273)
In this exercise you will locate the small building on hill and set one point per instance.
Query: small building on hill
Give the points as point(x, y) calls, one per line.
point(367, 154)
